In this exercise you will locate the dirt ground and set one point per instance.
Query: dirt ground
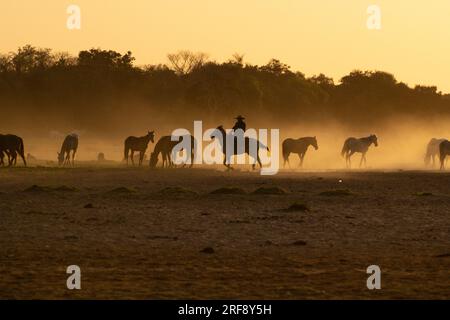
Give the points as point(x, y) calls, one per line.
point(156, 234)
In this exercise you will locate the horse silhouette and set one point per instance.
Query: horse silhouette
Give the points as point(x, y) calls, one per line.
point(444, 151)
point(70, 144)
point(298, 146)
point(137, 144)
point(361, 145)
point(11, 145)
point(164, 146)
point(432, 151)
point(247, 143)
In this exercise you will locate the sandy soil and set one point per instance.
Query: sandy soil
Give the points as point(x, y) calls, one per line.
point(140, 240)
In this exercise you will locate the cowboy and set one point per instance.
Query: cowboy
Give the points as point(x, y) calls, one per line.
point(240, 124)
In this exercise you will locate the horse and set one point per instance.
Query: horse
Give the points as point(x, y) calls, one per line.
point(361, 145)
point(11, 145)
point(137, 144)
point(298, 146)
point(248, 142)
point(70, 144)
point(165, 146)
point(444, 151)
point(432, 150)
point(2, 157)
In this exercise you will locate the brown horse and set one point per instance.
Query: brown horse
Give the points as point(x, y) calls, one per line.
point(11, 145)
point(70, 144)
point(298, 146)
point(137, 144)
point(361, 145)
point(165, 146)
point(444, 149)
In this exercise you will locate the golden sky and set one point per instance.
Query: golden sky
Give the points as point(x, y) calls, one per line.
point(313, 36)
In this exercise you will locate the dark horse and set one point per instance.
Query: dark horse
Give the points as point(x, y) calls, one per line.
point(361, 145)
point(298, 146)
point(165, 146)
point(138, 144)
point(70, 144)
point(11, 145)
point(432, 150)
point(444, 151)
point(248, 143)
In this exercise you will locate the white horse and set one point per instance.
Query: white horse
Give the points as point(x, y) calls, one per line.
point(433, 150)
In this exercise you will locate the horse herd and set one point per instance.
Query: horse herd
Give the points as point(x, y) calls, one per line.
point(12, 145)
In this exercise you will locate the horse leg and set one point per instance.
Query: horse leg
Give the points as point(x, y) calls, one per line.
point(68, 158)
point(362, 159)
point(8, 153)
point(226, 163)
point(259, 161)
point(132, 157)
point(141, 157)
point(14, 158)
point(286, 159)
point(73, 158)
point(301, 156)
point(169, 161)
point(349, 159)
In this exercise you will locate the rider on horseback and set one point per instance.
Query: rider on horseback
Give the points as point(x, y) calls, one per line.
point(240, 124)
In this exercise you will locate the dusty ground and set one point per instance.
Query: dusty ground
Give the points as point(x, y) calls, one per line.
point(140, 242)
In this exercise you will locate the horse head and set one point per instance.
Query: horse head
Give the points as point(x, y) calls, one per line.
point(374, 139)
point(151, 135)
point(219, 130)
point(314, 143)
point(60, 158)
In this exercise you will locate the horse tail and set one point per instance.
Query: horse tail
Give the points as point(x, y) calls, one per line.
point(125, 151)
point(22, 151)
point(262, 145)
point(344, 148)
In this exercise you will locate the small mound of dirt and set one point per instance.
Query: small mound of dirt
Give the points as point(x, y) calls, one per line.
point(423, 194)
point(36, 188)
point(121, 190)
point(229, 190)
point(269, 190)
point(336, 193)
point(444, 255)
point(298, 206)
point(207, 250)
point(176, 191)
point(89, 206)
point(299, 243)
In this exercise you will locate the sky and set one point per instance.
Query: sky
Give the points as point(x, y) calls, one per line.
point(312, 36)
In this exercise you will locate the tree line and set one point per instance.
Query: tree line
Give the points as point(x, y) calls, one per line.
point(101, 89)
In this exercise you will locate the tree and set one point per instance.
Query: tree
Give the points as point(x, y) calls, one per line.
point(107, 59)
point(29, 58)
point(276, 67)
point(184, 62)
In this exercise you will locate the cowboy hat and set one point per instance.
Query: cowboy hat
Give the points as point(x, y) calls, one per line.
point(239, 117)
